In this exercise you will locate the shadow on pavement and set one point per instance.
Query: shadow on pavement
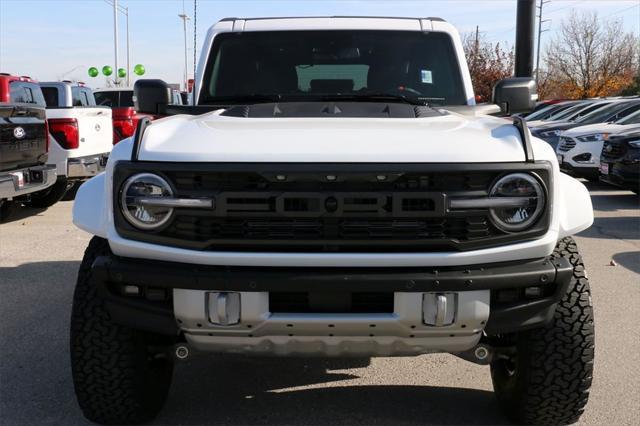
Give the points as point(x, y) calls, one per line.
point(217, 390)
point(621, 228)
point(629, 260)
point(21, 212)
point(615, 198)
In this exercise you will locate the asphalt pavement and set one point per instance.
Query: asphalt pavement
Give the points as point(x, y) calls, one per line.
point(40, 251)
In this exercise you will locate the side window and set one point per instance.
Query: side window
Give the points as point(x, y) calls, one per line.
point(26, 92)
point(50, 96)
point(622, 114)
point(77, 98)
point(89, 98)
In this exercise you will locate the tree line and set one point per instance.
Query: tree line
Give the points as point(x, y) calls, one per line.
point(588, 57)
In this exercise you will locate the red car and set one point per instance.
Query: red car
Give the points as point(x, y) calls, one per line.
point(125, 118)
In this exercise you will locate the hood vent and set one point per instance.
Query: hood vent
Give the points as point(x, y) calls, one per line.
point(332, 109)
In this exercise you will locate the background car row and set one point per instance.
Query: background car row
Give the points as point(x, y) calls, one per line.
point(55, 135)
point(578, 130)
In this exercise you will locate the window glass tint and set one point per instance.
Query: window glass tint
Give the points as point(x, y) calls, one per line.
point(548, 112)
point(88, 96)
point(26, 92)
point(82, 96)
point(51, 96)
point(301, 65)
point(603, 114)
point(115, 98)
point(566, 112)
point(351, 77)
point(633, 118)
point(77, 97)
point(626, 112)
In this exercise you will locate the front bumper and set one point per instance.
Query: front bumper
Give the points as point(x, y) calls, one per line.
point(171, 298)
point(34, 179)
point(584, 171)
point(623, 175)
point(86, 167)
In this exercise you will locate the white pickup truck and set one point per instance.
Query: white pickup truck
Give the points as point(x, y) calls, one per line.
point(334, 191)
point(81, 137)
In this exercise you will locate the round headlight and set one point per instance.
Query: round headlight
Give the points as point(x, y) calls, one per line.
point(137, 204)
point(528, 196)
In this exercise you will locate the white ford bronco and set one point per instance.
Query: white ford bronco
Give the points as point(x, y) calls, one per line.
point(333, 191)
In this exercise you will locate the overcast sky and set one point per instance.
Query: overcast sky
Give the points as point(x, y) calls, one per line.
point(54, 39)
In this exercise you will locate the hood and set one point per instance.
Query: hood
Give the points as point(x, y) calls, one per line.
point(599, 128)
point(437, 139)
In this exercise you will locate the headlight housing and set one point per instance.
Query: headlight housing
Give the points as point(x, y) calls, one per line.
point(140, 188)
point(528, 191)
point(635, 144)
point(595, 137)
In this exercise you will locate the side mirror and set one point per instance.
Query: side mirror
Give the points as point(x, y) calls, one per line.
point(151, 96)
point(515, 95)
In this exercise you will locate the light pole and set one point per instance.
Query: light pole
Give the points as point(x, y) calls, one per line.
point(185, 18)
point(125, 12)
point(115, 37)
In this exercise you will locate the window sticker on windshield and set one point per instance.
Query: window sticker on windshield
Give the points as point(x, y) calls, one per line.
point(425, 76)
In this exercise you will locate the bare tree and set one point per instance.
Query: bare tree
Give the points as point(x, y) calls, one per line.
point(591, 57)
point(488, 63)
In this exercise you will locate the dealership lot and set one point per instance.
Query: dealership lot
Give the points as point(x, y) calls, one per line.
point(39, 255)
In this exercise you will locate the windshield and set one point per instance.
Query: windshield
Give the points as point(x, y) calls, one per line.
point(630, 119)
point(566, 113)
point(606, 113)
point(114, 98)
point(548, 111)
point(331, 65)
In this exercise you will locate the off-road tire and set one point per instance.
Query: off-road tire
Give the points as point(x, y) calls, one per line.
point(118, 379)
point(548, 379)
point(48, 197)
point(7, 209)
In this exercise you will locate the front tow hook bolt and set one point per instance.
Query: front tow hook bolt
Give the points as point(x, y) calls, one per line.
point(182, 352)
point(481, 353)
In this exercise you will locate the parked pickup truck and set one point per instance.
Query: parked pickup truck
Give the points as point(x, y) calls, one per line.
point(23, 142)
point(334, 191)
point(81, 137)
point(125, 117)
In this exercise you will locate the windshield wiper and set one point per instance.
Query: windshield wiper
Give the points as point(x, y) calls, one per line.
point(243, 99)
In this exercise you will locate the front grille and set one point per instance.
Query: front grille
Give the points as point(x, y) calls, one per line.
point(612, 150)
point(326, 208)
point(331, 302)
point(566, 144)
point(325, 234)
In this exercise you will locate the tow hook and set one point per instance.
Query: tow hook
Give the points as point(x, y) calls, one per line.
point(182, 352)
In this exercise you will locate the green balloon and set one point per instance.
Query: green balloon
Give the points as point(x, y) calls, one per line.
point(107, 70)
point(122, 72)
point(139, 69)
point(93, 72)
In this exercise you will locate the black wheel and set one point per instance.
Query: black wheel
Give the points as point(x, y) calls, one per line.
point(547, 381)
point(50, 196)
point(118, 377)
point(7, 209)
